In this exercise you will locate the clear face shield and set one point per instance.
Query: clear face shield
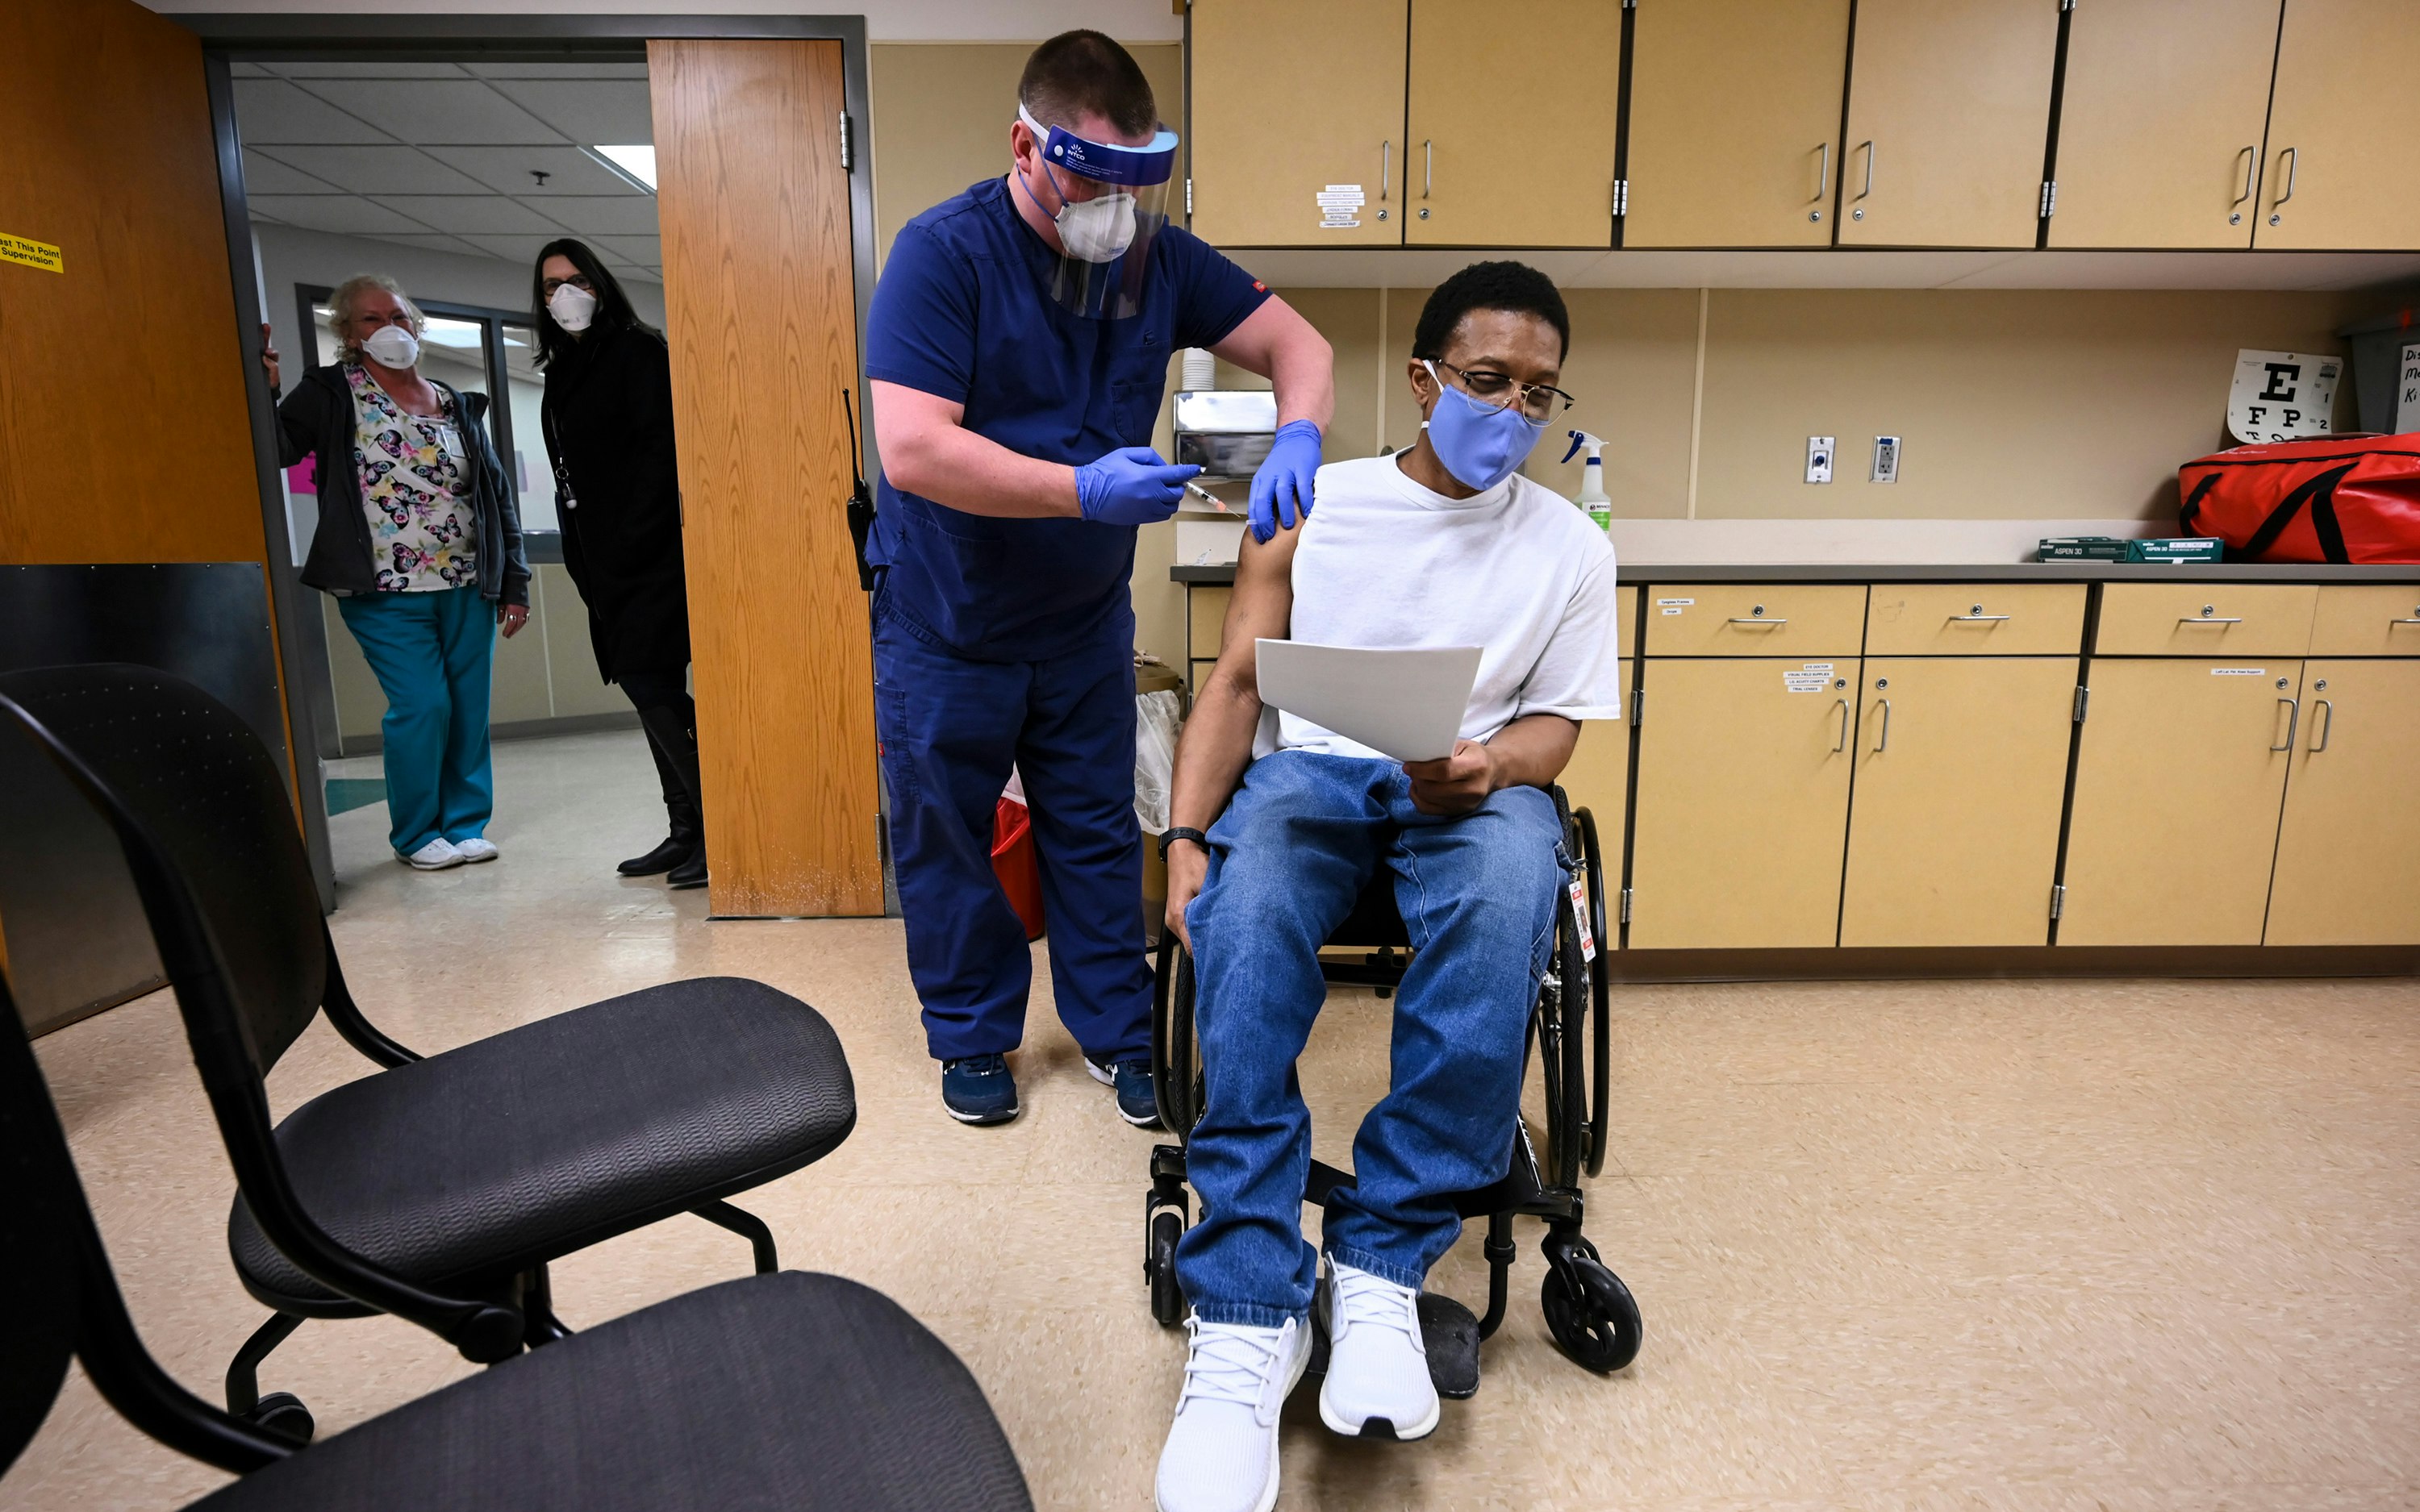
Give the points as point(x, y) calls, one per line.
point(1108, 202)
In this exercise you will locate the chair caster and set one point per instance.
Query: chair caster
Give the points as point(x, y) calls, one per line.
point(1590, 1312)
point(283, 1413)
point(1166, 1297)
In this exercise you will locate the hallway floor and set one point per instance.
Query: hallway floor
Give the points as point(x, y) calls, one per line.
point(2043, 1245)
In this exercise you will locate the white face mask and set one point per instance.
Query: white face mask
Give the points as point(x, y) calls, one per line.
point(1097, 230)
point(572, 307)
point(391, 347)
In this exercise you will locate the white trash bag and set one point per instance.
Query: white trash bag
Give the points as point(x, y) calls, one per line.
point(1158, 718)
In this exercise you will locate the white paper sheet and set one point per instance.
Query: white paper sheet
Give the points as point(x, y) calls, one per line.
point(1407, 704)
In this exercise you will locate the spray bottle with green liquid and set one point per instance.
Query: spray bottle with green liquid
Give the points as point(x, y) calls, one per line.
point(1593, 496)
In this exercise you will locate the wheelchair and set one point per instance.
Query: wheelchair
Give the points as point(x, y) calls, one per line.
point(1587, 1309)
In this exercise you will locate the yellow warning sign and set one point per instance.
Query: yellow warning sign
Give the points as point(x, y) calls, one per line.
point(31, 253)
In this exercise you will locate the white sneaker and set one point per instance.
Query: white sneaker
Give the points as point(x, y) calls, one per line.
point(435, 856)
point(1378, 1385)
point(1221, 1454)
point(476, 850)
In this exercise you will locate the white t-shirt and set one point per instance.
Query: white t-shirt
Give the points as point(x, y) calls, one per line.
point(1386, 563)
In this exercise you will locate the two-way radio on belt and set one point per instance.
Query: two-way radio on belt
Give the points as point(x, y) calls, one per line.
point(860, 498)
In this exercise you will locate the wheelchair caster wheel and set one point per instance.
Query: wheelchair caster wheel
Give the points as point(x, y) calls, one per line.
point(283, 1413)
point(1166, 1298)
point(1591, 1313)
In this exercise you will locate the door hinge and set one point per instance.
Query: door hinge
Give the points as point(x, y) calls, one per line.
point(2083, 703)
point(1188, 196)
point(1637, 707)
point(847, 149)
point(2049, 198)
point(1625, 906)
point(1621, 196)
point(2058, 899)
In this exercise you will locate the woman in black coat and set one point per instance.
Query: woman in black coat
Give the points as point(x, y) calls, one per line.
point(608, 417)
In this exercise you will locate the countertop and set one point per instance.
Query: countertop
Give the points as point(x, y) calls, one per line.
point(2000, 572)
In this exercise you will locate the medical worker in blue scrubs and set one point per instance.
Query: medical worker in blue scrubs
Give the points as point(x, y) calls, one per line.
point(1018, 349)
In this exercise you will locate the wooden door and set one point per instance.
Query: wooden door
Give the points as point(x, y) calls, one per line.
point(1743, 803)
point(2342, 170)
point(2173, 824)
point(1753, 163)
point(2161, 121)
point(760, 301)
point(1948, 117)
point(1513, 109)
point(1597, 777)
point(1962, 772)
point(2349, 847)
point(1296, 109)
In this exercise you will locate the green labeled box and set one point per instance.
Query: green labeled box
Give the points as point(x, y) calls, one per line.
point(2082, 549)
point(2176, 549)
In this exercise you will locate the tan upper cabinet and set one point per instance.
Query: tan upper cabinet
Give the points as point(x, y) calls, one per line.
point(2161, 122)
point(1753, 163)
point(1292, 102)
point(1949, 120)
point(2343, 171)
point(1516, 105)
point(2350, 837)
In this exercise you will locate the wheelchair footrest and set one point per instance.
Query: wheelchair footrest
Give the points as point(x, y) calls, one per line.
point(1448, 1328)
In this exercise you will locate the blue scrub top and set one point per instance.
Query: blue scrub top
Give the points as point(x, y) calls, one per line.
point(964, 311)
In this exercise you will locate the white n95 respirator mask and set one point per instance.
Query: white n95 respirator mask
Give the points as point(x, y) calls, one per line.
point(391, 347)
point(1099, 229)
point(572, 307)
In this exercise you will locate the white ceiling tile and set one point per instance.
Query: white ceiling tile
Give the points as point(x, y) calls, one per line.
point(558, 71)
point(511, 249)
point(432, 242)
point(348, 214)
point(648, 251)
point(469, 212)
point(272, 110)
point(379, 170)
point(437, 110)
point(379, 70)
point(508, 171)
point(249, 71)
point(600, 112)
point(625, 215)
point(265, 175)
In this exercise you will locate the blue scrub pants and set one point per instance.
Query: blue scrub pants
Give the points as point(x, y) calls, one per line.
point(431, 653)
point(949, 729)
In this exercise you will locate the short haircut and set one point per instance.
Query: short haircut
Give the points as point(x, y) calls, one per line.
point(1081, 73)
point(1493, 286)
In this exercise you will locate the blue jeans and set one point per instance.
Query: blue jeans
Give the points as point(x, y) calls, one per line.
point(1304, 836)
point(431, 653)
point(949, 727)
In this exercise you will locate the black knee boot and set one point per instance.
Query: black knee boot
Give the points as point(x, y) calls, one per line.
point(672, 732)
point(685, 829)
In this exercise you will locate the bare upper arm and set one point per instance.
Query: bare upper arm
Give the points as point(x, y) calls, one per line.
point(902, 413)
point(1262, 607)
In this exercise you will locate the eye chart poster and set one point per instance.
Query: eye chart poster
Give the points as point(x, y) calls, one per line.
point(2282, 396)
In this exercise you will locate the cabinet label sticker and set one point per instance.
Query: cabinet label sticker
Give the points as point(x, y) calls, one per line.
point(1340, 207)
point(30, 253)
point(2238, 671)
point(1812, 678)
point(1674, 603)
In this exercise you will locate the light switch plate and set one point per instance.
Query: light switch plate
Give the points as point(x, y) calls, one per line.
point(1886, 460)
point(1819, 458)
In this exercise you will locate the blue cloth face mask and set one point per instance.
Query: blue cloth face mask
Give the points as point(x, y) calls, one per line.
point(1479, 444)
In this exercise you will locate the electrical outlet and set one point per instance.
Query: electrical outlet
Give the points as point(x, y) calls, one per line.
point(1886, 460)
point(1819, 458)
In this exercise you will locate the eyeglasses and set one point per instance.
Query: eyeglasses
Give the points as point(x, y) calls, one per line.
point(578, 280)
point(1500, 390)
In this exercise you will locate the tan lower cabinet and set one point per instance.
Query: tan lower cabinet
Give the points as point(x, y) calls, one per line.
point(2177, 783)
point(1953, 832)
point(2349, 847)
point(1598, 777)
point(1743, 775)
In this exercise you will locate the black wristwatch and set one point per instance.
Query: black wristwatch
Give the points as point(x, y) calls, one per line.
point(1167, 836)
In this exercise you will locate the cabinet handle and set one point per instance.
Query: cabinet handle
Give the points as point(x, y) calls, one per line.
point(1869, 149)
point(2293, 157)
point(1979, 619)
point(1739, 620)
point(1842, 744)
point(1386, 166)
point(1822, 174)
point(2416, 621)
point(2327, 726)
point(1428, 168)
point(2251, 157)
point(1883, 744)
point(2205, 619)
point(2293, 722)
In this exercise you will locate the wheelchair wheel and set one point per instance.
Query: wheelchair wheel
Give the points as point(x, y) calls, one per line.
point(1166, 1298)
point(1559, 1021)
point(1591, 1313)
point(1600, 1004)
point(1175, 1068)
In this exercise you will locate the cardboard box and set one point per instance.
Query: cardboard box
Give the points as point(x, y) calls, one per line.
point(2177, 549)
point(2082, 549)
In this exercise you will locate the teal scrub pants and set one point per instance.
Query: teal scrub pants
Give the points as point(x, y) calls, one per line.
point(431, 653)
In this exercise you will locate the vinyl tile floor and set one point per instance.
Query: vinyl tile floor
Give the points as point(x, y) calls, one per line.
point(2106, 1245)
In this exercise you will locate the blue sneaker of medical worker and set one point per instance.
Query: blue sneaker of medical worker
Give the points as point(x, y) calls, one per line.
point(979, 1090)
point(1137, 1103)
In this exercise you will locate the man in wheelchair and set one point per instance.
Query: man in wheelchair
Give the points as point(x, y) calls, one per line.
point(1443, 544)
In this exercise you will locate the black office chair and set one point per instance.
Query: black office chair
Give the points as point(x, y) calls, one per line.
point(793, 1391)
point(436, 1189)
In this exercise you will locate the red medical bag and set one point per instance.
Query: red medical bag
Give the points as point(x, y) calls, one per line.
point(2333, 499)
point(1013, 861)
